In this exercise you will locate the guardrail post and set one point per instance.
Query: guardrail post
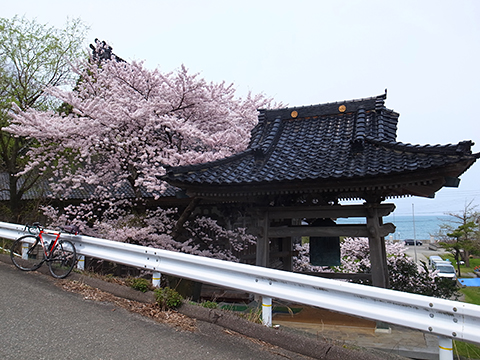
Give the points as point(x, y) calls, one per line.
point(267, 311)
point(156, 279)
point(81, 262)
point(445, 348)
point(25, 246)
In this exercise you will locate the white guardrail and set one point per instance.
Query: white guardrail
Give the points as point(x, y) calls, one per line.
point(446, 318)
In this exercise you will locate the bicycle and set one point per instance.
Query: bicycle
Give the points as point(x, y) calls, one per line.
point(29, 252)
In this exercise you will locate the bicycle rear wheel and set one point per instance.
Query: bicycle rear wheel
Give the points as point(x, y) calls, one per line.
point(27, 253)
point(62, 259)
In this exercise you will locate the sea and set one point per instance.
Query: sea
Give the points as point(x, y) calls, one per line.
point(408, 227)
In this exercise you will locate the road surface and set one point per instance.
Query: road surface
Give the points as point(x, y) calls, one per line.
point(41, 321)
point(422, 252)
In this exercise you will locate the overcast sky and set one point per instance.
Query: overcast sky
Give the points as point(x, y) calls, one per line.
point(426, 53)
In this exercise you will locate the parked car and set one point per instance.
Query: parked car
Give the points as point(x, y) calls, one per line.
point(435, 262)
point(434, 258)
point(445, 269)
point(412, 242)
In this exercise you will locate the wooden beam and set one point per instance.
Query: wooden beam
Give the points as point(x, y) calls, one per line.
point(331, 212)
point(327, 231)
point(392, 184)
point(272, 255)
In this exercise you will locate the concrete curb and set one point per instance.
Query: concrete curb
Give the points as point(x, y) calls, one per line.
point(288, 339)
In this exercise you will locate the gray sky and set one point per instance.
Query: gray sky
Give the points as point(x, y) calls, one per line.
point(426, 53)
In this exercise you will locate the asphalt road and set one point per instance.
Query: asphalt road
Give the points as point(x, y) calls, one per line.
point(422, 252)
point(38, 320)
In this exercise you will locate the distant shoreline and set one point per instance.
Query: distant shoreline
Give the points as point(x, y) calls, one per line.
point(407, 227)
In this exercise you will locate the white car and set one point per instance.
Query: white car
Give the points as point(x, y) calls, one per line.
point(445, 269)
point(434, 258)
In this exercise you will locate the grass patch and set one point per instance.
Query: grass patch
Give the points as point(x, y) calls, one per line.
point(473, 262)
point(472, 294)
point(465, 350)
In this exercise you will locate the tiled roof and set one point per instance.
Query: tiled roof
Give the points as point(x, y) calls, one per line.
point(42, 189)
point(350, 140)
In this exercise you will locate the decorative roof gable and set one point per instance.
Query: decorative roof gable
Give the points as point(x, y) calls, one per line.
point(343, 147)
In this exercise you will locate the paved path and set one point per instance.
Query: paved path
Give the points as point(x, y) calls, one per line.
point(423, 252)
point(41, 321)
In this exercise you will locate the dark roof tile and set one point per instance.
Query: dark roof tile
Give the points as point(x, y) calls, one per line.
point(342, 140)
point(41, 189)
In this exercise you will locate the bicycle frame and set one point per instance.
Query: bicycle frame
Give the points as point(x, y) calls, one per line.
point(48, 250)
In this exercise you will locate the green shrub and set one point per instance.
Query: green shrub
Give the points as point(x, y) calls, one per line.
point(209, 304)
point(168, 298)
point(139, 284)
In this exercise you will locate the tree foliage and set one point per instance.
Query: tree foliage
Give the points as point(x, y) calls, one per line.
point(461, 235)
point(33, 56)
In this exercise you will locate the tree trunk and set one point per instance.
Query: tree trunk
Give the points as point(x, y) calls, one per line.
point(14, 201)
point(184, 217)
point(466, 255)
point(457, 259)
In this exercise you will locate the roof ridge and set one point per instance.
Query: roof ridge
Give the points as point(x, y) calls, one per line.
point(272, 135)
point(461, 147)
point(377, 97)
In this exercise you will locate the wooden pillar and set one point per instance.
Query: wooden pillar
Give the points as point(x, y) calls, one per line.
point(378, 254)
point(263, 243)
point(287, 246)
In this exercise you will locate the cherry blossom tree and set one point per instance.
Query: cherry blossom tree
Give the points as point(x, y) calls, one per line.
point(128, 122)
point(405, 274)
point(154, 228)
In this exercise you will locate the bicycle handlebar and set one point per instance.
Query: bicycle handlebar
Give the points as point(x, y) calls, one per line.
point(35, 226)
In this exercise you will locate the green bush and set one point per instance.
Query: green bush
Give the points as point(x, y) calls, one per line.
point(168, 298)
point(209, 304)
point(139, 284)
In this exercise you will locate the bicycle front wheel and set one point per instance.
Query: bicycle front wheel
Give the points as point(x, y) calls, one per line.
point(62, 259)
point(27, 253)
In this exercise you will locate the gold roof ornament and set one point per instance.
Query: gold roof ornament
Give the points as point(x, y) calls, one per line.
point(294, 114)
point(342, 108)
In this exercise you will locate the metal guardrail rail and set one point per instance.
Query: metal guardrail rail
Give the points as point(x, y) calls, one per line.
point(446, 318)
